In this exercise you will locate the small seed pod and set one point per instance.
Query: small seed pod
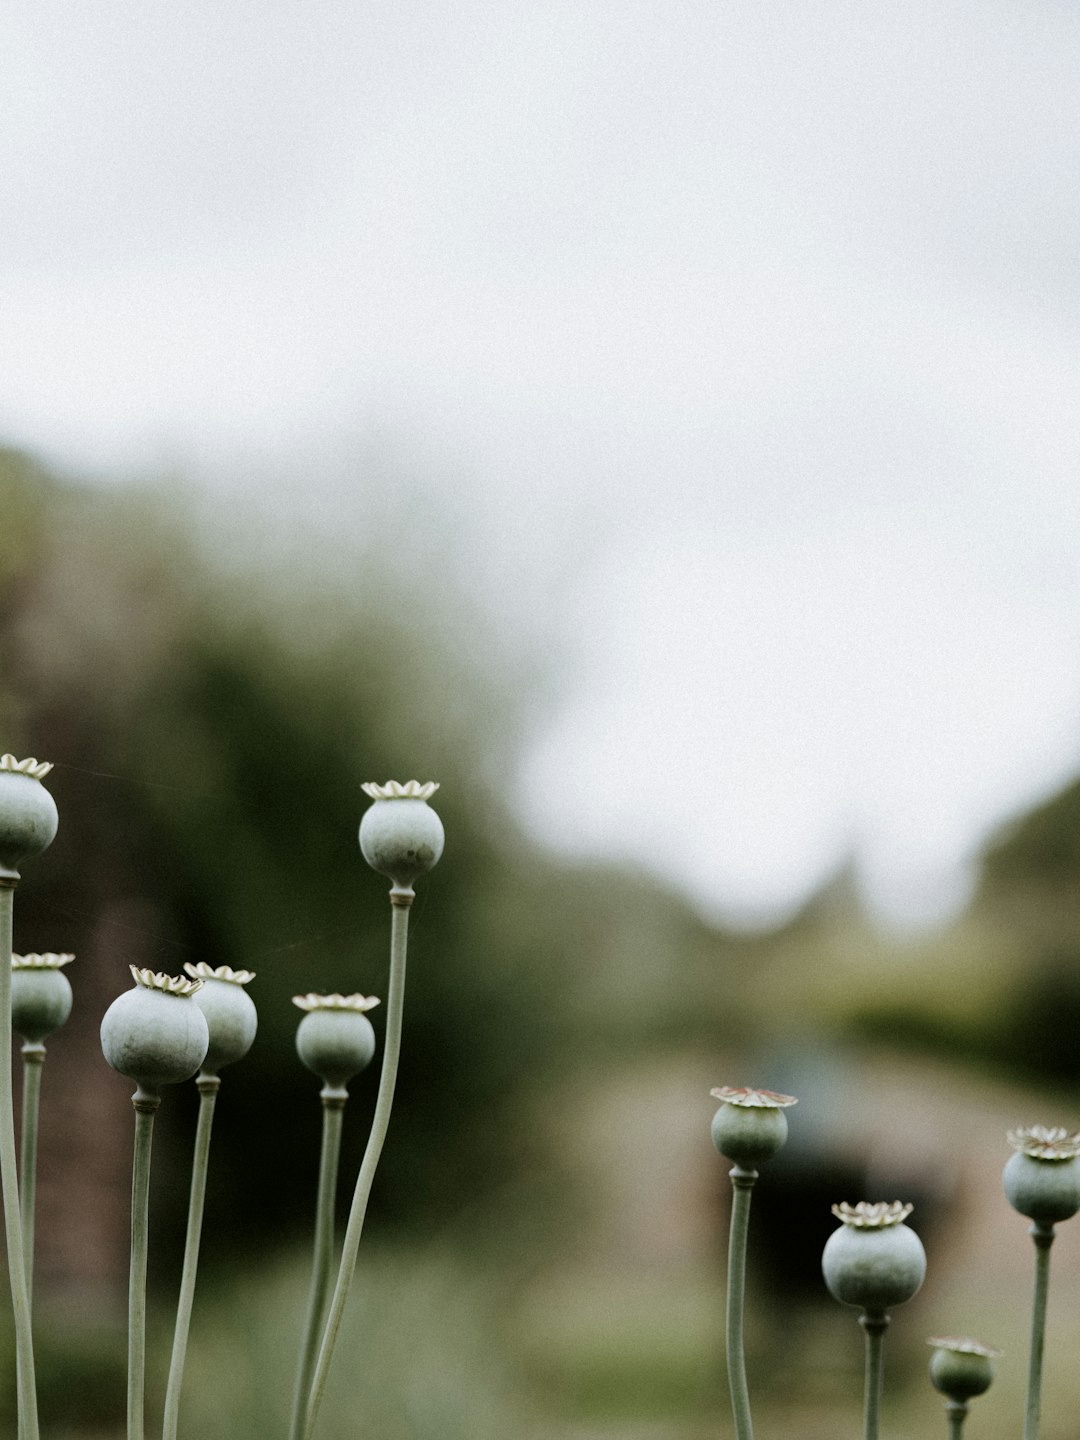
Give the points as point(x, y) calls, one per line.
point(960, 1367)
point(335, 1038)
point(229, 1010)
point(873, 1260)
point(750, 1125)
point(400, 835)
point(1042, 1179)
point(28, 818)
point(40, 995)
point(155, 1033)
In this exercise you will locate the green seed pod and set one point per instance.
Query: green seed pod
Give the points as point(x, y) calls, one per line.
point(335, 1038)
point(400, 835)
point(1042, 1179)
point(229, 1010)
point(40, 995)
point(28, 818)
point(750, 1125)
point(873, 1260)
point(960, 1367)
point(155, 1034)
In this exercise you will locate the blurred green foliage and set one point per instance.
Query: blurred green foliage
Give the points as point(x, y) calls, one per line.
point(1000, 987)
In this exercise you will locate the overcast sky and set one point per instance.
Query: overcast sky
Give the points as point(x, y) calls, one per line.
point(736, 342)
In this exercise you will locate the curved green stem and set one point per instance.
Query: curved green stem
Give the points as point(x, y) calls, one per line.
point(875, 1323)
point(956, 1410)
point(1043, 1236)
point(400, 900)
point(323, 1258)
point(33, 1060)
point(9, 1181)
point(208, 1088)
point(145, 1106)
point(742, 1184)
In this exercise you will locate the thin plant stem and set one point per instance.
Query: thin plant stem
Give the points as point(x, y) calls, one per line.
point(33, 1053)
point(145, 1107)
point(742, 1182)
point(333, 1102)
point(9, 1182)
point(956, 1411)
point(208, 1088)
point(875, 1323)
point(1043, 1236)
point(400, 900)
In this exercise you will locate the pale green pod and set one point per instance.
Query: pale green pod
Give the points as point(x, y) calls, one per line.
point(750, 1125)
point(873, 1260)
point(1042, 1179)
point(230, 1013)
point(400, 835)
point(960, 1367)
point(335, 1039)
point(155, 1034)
point(28, 818)
point(40, 995)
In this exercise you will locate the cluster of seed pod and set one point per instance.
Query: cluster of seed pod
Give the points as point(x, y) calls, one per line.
point(875, 1262)
point(167, 1029)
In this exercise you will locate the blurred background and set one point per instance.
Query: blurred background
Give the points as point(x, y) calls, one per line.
point(659, 425)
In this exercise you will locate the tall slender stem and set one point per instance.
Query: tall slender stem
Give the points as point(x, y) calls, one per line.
point(33, 1054)
point(875, 1323)
point(20, 1302)
point(1043, 1236)
point(400, 899)
point(333, 1102)
point(956, 1411)
point(145, 1107)
point(742, 1182)
point(208, 1088)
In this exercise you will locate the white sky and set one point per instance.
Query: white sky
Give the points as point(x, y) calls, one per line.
point(739, 342)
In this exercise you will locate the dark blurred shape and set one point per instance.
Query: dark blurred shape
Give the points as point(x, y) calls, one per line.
point(1019, 946)
point(1039, 851)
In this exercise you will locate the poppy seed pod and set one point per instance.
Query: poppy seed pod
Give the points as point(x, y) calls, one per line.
point(873, 1260)
point(155, 1033)
point(400, 835)
point(335, 1038)
point(960, 1367)
point(229, 1010)
point(750, 1125)
point(1042, 1179)
point(40, 995)
point(28, 818)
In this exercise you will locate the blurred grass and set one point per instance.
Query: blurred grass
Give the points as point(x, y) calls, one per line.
point(423, 1355)
point(430, 1351)
point(603, 1346)
point(419, 1356)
